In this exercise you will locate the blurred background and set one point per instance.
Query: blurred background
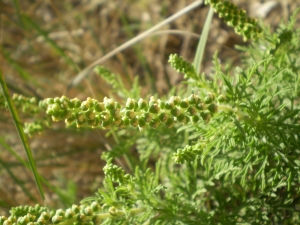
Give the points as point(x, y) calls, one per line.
point(45, 44)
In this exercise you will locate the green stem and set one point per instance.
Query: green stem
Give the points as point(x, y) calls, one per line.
point(21, 134)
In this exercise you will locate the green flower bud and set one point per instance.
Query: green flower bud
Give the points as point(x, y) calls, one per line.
point(193, 99)
point(117, 121)
point(191, 111)
point(80, 117)
point(105, 116)
point(93, 123)
point(184, 103)
point(169, 122)
point(221, 98)
point(195, 118)
point(126, 121)
point(75, 209)
point(115, 113)
point(163, 117)
point(95, 206)
point(199, 106)
point(106, 124)
point(212, 108)
point(118, 105)
point(130, 103)
point(57, 100)
point(142, 122)
point(154, 109)
point(154, 123)
point(69, 213)
point(113, 211)
point(89, 115)
point(76, 103)
point(209, 98)
point(130, 114)
point(64, 102)
point(169, 105)
point(70, 120)
point(175, 99)
point(60, 212)
point(99, 107)
point(142, 104)
point(205, 115)
point(161, 104)
point(81, 217)
point(175, 112)
point(134, 122)
point(181, 118)
point(56, 219)
point(88, 211)
point(109, 103)
point(152, 101)
point(80, 124)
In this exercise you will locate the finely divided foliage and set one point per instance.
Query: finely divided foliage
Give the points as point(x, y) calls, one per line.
point(228, 153)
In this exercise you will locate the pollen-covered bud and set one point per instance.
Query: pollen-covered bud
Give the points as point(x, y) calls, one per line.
point(193, 99)
point(184, 103)
point(95, 206)
point(169, 122)
point(175, 99)
point(89, 115)
point(64, 102)
point(109, 103)
point(175, 112)
point(154, 123)
point(105, 116)
point(130, 103)
point(169, 105)
point(70, 120)
point(69, 213)
point(99, 107)
point(75, 102)
point(154, 109)
point(191, 111)
point(130, 114)
point(57, 219)
point(88, 211)
point(152, 101)
point(142, 104)
point(117, 121)
point(209, 98)
point(80, 117)
point(75, 208)
point(134, 122)
point(81, 217)
point(205, 115)
point(147, 117)
point(163, 117)
point(212, 108)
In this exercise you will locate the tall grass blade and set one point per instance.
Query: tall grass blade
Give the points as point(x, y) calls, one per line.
point(132, 41)
point(21, 134)
point(202, 43)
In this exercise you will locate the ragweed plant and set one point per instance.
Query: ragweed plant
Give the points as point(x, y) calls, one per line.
point(229, 153)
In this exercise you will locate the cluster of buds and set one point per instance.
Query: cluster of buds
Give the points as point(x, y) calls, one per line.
point(236, 17)
point(182, 66)
point(28, 105)
point(37, 215)
point(136, 113)
point(116, 173)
